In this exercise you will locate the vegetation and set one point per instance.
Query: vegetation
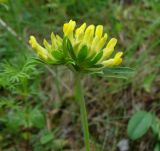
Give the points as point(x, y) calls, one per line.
point(38, 110)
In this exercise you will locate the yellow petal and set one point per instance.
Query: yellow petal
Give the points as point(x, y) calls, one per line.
point(65, 27)
point(101, 43)
point(108, 63)
point(88, 36)
point(53, 41)
point(33, 41)
point(59, 38)
point(114, 61)
point(117, 58)
point(112, 43)
point(99, 31)
point(41, 52)
point(80, 32)
point(59, 41)
point(46, 45)
point(94, 44)
point(43, 56)
point(68, 28)
point(109, 48)
point(71, 26)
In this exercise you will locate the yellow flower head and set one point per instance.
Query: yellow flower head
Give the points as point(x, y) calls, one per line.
point(83, 48)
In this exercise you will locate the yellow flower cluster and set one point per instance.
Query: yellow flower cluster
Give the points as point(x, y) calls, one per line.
point(94, 39)
point(91, 36)
point(45, 53)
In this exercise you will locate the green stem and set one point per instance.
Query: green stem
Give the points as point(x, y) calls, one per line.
point(83, 112)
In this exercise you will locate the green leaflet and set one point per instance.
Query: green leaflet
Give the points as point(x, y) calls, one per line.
point(91, 61)
point(118, 72)
point(67, 48)
point(82, 54)
point(58, 55)
point(97, 66)
point(96, 58)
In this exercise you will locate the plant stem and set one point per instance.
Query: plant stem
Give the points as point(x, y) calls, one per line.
point(83, 112)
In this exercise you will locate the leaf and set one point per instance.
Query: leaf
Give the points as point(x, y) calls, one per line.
point(91, 57)
point(118, 72)
point(96, 58)
point(82, 54)
point(57, 55)
point(115, 76)
point(46, 138)
point(14, 72)
point(68, 48)
point(65, 46)
point(70, 61)
point(97, 66)
point(138, 125)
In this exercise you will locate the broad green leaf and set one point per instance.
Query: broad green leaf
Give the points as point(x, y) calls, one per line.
point(82, 54)
point(46, 138)
point(139, 123)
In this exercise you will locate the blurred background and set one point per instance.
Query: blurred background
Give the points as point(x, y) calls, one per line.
point(38, 111)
